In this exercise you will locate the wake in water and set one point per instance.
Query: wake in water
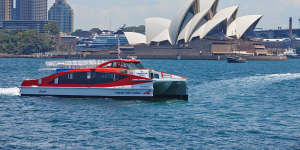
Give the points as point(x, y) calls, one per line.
point(10, 91)
point(244, 86)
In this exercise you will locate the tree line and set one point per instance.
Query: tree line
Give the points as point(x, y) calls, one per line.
point(25, 42)
point(89, 33)
point(28, 42)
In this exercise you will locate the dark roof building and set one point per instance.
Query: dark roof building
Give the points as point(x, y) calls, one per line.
point(63, 14)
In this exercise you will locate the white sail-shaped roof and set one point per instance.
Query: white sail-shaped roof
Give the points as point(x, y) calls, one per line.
point(195, 22)
point(209, 26)
point(163, 36)
point(155, 26)
point(135, 38)
point(241, 25)
point(181, 17)
point(212, 5)
point(229, 13)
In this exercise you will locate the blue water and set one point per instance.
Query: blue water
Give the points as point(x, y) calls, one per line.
point(232, 106)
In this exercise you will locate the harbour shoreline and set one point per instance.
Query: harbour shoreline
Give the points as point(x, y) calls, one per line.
point(162, 57)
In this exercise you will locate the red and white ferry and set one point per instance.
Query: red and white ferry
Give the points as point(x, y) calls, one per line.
point(122, 78)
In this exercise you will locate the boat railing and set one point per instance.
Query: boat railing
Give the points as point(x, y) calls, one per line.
point(74, 64)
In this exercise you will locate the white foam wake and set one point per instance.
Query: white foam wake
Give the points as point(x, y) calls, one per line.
point(242, 86)
point(10, 91)
point(271, 78)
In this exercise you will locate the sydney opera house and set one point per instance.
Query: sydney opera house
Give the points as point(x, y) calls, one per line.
point(197, 27)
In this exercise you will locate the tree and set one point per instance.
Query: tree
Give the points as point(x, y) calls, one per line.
point(96, 30)
point(139, 29)
point(52, 28)
point(82, 33)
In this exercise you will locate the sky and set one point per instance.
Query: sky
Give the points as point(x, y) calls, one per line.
point(111, 14)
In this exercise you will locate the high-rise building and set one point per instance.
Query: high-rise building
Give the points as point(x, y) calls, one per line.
point(6, 8)
point(63, 14)
point(31, 10)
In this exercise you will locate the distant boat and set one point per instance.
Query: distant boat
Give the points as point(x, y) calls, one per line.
point(236, 59)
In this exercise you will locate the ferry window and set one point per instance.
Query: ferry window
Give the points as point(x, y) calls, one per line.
point(151, 75)
point(88, 78)
point(131, 66)
point(139, 66)
point(119, 77)
point(79, 78)
point(125, 65)
point(108, 66)
point(56, 81)
point(100, 77)
point(135, 66)
point(156, 76)
point(70, 76)
point(116, 65)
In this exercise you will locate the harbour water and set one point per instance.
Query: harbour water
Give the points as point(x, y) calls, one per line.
point(232, 106)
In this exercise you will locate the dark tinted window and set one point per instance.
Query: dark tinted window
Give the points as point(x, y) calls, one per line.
point(127, 65)
point(139, 66)
point(135, 66)
point(88, 78)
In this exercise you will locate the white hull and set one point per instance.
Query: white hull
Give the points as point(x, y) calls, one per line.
point(157, 88)
point(81, 92)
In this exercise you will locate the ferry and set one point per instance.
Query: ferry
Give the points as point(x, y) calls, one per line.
point(120, 78)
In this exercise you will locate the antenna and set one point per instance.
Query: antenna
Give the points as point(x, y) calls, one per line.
point(119, 32)
point(119, 49)
point(109, 23)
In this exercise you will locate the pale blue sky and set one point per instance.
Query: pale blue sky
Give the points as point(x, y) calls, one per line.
point(114, 13)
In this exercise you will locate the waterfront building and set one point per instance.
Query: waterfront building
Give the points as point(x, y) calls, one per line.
point(63, 14)
point(67, 43)
point(6, 10)
point(31, 10)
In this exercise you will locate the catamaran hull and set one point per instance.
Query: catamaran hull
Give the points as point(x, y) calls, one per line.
point(169, 89)
point(175, 90)
point(85, 92)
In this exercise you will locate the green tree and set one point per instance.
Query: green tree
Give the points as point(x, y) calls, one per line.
point(52, 28)
point(138, 29)
point(82, 33)
point(96, 30)
point(26, 42)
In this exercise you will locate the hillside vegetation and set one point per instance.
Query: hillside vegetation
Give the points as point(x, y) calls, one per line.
point(25, 42)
